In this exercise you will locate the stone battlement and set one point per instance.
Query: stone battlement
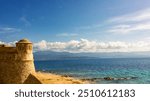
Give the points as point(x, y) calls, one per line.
point(16, 63)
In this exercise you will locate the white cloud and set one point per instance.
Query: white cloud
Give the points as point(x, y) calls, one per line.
point(4, 30)
point(130, 23)
point(126, 29)
point(9, 43)
point(133, 17)
point(138, 21)
point(85, 45)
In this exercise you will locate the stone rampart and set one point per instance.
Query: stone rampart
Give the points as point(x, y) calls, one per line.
point(16, 63)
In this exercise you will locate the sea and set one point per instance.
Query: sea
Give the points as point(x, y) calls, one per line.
point(101, 70)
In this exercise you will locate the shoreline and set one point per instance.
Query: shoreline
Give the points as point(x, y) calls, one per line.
point(50, 78)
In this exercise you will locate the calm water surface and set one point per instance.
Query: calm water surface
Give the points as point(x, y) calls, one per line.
point(135, 70)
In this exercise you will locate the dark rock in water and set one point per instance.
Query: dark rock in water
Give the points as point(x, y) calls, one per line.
point(134, 77)
point(88, 79)
point(122, 78)
point(91, 79)
point(108, 78)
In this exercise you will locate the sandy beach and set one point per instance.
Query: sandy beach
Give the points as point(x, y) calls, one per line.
point(49, 78)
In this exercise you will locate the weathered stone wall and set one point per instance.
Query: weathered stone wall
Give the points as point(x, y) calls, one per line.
point(15, 71)
point(16, 64)
point(8, 49)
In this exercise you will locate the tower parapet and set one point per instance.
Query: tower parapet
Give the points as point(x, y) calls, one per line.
point(16, 63)
point(24, 49)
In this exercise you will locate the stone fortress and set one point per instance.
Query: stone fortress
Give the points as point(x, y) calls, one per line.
point(17, 63)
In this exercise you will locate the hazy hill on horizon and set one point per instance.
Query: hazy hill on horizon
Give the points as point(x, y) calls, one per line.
point(51, 55)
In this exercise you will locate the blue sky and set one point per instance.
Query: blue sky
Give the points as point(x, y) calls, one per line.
point(67, 20)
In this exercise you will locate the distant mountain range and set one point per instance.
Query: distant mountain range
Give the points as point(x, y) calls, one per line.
point(50, 55)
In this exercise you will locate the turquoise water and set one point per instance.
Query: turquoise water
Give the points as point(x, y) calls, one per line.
point(135, 70)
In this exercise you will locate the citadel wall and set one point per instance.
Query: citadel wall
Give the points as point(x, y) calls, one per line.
point(16, 63)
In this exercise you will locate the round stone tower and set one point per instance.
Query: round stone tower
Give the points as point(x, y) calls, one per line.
point(24, 49)
point(25, 62)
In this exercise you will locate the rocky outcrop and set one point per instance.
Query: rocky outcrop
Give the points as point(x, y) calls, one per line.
point(109, 78)
point(32, 80)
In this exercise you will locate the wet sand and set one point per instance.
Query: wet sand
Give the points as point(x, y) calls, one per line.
point(49, 78)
